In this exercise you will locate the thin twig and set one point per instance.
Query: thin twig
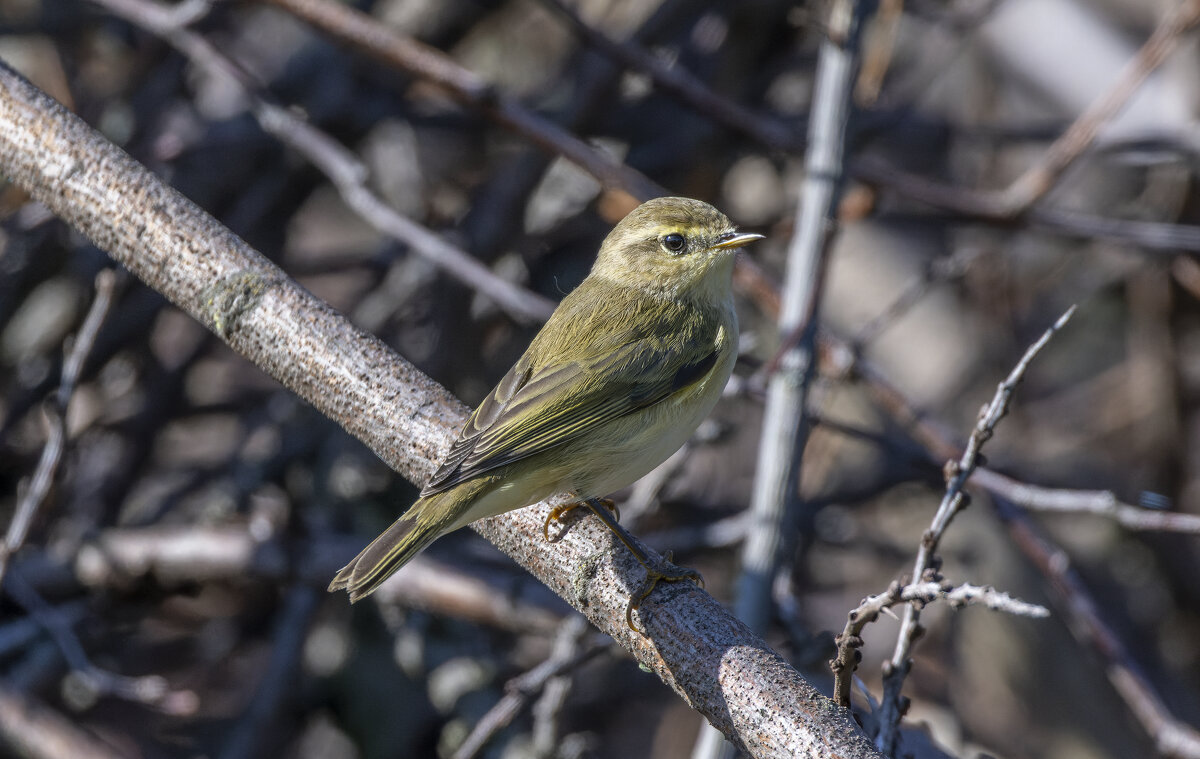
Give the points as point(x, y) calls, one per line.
point(937, 270)
point(348, 174)
point(350, 177)
point(784, 432)
point(877, 51)
point(170, 555)
point(842, 359)
point(1040, 178)
point(682, 84)
point(547, 711)
point(18, 633)
point(850, 641)
point(1019, 197)
point(56, 421)
point(1172, 737)
point(567, 654)
point(1099, 502)
point(954, 500)
point(390, 46)
point(1075, 601)
point(151, 690)
point(975, 206)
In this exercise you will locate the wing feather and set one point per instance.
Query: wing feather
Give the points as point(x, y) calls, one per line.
point(535, 409)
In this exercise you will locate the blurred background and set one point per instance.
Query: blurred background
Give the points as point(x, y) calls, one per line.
point(169, 601)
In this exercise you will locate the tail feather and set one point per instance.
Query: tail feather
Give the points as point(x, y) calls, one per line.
point(407, 536)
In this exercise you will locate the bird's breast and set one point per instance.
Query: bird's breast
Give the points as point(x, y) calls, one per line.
point(634, 445)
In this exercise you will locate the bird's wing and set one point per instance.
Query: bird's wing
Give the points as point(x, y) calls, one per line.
point(534, 410)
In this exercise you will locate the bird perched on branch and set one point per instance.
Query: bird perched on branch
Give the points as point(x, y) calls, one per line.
point(616, 381)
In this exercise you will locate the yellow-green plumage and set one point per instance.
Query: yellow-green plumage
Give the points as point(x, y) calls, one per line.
point(619, 377)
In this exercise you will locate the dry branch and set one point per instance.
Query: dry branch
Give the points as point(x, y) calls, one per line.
point(1040, 178)
point(1074, 600)
point(681, 84)
point(955, 499)
point(850, 641)
point(56, 420)
point(1020, 197)
point(348, 174)
point(1172, 736)
point(709, 658)
point(366, 34)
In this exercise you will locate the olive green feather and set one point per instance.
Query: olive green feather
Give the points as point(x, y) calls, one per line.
point(539, 405)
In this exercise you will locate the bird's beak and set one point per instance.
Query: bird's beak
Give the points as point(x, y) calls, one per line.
point(731, 240)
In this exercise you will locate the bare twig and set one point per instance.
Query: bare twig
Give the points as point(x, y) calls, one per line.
point(973, 205)
point(151, 690)
point(567, 654)
point(409, 421)
point(119, 557)
point(18, 633)
point(679, 82)
point(56, 420)
point(1099, 502)
point(348, 174)
point(547, 711)
point(954, 500)
point(1075, 601)
point(350, 177)
point(935, 271)
point(877, 51)
point(1040, 178)
point(1019, 197)
point(390, 46)
point(435, 587)
point(842, 359)
point(1186, 271)
point(850, 641)
point(1172, 737)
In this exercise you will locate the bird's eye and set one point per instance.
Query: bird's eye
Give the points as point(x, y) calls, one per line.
point(673, 242)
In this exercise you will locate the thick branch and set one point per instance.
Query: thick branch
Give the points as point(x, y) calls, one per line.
point(709, 658)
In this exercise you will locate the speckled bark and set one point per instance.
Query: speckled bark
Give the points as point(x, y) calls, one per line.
point(713, 661)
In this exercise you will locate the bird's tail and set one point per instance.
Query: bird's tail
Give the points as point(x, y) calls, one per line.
point(407, 536)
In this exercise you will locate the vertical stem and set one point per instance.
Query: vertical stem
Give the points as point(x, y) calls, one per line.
point(785, 428)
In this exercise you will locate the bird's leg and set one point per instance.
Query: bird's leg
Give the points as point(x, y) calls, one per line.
point(654, 574)
point(558, 512)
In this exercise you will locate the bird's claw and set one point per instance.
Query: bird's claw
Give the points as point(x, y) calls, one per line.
point(558, 512)
point(653, 578)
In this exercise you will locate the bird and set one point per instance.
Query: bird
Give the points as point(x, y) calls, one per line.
point(617, 379)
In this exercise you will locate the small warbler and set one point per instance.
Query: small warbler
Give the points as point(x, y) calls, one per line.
point(617, 379)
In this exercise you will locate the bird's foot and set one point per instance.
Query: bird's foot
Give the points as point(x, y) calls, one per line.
point(559, 512)
point(655, 575)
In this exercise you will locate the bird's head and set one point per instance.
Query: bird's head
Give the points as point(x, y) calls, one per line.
point(680, 247)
